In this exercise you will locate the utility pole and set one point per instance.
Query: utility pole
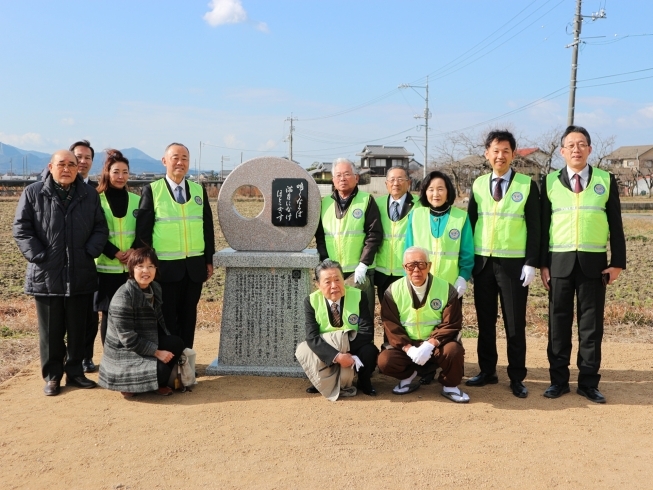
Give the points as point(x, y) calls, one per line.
point(222, 160)
point(426, 116)
point(199, 164)
point(578, 23)
point(292, 128)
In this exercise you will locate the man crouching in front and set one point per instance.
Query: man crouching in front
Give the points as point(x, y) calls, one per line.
point(339, 336)
point(422, 319)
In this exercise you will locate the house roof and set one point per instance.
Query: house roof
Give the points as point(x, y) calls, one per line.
point(625, 152)
point(524, 152)
point(384, 151)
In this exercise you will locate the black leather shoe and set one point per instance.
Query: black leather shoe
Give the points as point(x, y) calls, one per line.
point(556, 391)
point(52, 388)
point(80, 382)
point(312, 390)
point(88, 366)
point(518, 389)
point(368, 389)
point(482, 379)
point(591, 393)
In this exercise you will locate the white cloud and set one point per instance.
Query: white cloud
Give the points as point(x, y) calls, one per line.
point(225, 12)
point(269, 144)
point(646, 112)
point(27, 139)
point(232, 141)
point(68, 121)
point(263, 27)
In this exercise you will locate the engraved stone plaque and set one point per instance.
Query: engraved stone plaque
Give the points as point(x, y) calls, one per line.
point(290, 206)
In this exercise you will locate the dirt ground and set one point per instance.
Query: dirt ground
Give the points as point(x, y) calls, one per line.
point(257, 432)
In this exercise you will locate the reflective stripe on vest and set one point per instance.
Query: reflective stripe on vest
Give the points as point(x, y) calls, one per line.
point(345, 238)
point(444, 251)
point(420, 323)
point(578, 221)
point(389, 257)
point(121, 233)
point(349, 313)
point(500, 230)
point(178, 228)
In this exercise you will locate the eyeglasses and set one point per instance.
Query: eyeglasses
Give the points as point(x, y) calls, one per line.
point(143, 268)
point(348, 175)
point(61, 166)
point(397, 180)
point(411, 266)
point(580, 146)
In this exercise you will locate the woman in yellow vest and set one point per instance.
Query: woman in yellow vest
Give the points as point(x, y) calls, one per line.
point(444, 230)
point(119, 208)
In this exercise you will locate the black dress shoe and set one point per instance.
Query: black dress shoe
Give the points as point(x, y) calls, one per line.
point(482, 379)
point(518, 389)
point(88, 366)
point(556, 391)
point(80, 382)
point(312, 390)
point(52, 388)
point(367, 389)
point(591, 393)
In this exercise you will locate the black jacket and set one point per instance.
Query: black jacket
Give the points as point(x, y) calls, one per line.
point(60, 244)
point(174, 270)
point(561, 264)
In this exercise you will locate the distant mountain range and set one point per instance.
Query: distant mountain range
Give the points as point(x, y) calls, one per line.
point(35, 161)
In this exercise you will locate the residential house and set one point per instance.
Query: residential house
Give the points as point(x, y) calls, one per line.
point(379, 158)
point(635, 157)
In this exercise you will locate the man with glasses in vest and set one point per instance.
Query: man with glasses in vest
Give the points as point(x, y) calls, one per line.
point(350, 229)
point(422, 318)
point(339, 337)
point(393, 209)
point(174, 218)
point(504, 210)
point(580, 213)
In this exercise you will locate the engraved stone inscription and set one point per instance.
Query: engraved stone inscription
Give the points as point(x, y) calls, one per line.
point(290, 207)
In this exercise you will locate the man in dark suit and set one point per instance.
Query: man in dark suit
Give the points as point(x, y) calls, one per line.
point(504, 211)
point(394, 209)
point(174, 217)
point(580, 210)
point(84, 153)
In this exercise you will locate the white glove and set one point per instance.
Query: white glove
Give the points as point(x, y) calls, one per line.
point(414, 353)
point(461, 286)
point(357, 363)
point(527, 275)
point(359, 273)
point(425, 353)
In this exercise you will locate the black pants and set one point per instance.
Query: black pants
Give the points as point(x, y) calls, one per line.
point(367, 352)
point(382, 283)
point(91, 328)
point(491, 282)
point(173, 344)
point(59, 316)
point(179, 307)
point(590, 304)
point(367, 287)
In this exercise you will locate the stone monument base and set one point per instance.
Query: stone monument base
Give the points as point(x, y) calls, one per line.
point(263, 311)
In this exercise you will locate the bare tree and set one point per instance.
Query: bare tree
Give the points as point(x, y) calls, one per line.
point(549, 145)
point(602, 146)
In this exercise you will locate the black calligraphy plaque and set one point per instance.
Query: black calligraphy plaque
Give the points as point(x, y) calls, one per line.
point(289, 202)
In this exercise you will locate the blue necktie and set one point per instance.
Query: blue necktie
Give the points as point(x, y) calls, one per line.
point(180, 195)
point(394, 212)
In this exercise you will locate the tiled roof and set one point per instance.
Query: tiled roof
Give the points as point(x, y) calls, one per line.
point(384, 151)
point(629, 152)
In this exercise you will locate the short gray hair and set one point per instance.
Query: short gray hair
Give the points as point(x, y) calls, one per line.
point(327, 264)
point(347, 161)
point(397, 167)
point(176, 144)
point(416, 249)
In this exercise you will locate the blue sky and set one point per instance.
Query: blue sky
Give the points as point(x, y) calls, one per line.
point(126, 73)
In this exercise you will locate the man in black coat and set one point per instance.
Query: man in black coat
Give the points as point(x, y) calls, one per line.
point(182, 276)
point(504, 210)
point(60, 229)
point(577, 219)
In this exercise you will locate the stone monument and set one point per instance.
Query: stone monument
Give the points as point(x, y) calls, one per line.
point(269, 271)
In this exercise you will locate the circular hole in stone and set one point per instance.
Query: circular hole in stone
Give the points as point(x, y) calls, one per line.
point(248, 201)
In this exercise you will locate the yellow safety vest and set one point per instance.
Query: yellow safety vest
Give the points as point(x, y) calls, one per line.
point(389, 257)
point(501, 228)
point(121, 233)
point(579, 221)
point(420, 323)
point(350, 313)
point(345, 238)
point(444, 251)
point(178, 228)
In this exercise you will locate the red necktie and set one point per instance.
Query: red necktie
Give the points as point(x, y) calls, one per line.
point(577, 187)
point(337, 319)
point(498, 191)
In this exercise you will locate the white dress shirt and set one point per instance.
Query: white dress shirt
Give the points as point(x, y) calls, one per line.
point(174, 185)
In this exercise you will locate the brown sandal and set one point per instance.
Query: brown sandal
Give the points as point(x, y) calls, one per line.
point(126, 394)
point(164, 391)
